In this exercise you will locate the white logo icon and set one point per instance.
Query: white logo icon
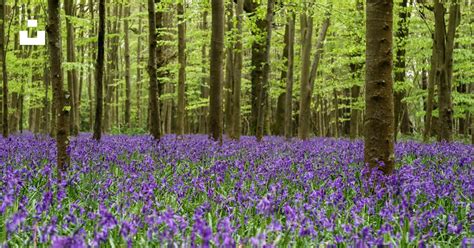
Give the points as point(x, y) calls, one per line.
point(40, 40)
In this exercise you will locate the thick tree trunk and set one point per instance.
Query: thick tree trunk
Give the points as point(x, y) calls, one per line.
point(182, 67)
point(60, 98)
point(99, 72)
point(379, 140)
point(128, 85)
point(288, 123)
point(237, 72)
point(263, 92)
point(305, 90)
point(216, 73)
point(153, 87)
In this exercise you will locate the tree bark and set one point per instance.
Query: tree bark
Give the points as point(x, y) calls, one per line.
point(3, 58)
point(288, 123)
point(216, 73)
point(237, 73)
point(229, 67)
point(379, 140)
point(399, 107)
point(305, 90)
point(99, 73)
point(71, 73)
point(61, 98)
point(444, 43)
point(128, 85)
point(203, 118)
point(263, 92)
point(182, 67)
point(153, 88)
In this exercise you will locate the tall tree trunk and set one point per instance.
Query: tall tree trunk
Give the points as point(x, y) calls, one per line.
point(229, 68)
point(288, 123)
point(71, 73)
point(379, 140)
point(60, 98)
point(444, 42)
point(308, 77)
point(139, 72)
point(153, 87)
point(305, 92)
point(3, 58)
point(263, 92)
point(237, 73)
point(356, 71)
point(128, 86)
point(216, 73)
point(182, 67)
point(430, 98)
point(401, 35)
point(99, 72)
point(203, 118)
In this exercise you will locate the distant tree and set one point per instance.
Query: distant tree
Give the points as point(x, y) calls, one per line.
point(72, 81)
point(3, 58)
point(379, 119)
point(182, 67)
point(237, 73)
point(444, 43)
point(128, 86)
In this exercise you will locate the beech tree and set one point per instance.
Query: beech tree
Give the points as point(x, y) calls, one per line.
point(99, 72)
point(153, 87)
point(216, 73)
point(61, 98)
point(379, 119)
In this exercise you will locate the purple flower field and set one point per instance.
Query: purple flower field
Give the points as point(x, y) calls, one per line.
point(131, 191)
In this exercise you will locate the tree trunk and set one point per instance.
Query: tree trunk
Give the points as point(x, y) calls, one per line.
point(3, 58)
point(128, 86)
point(153, 87)
point(401, 35)
point(139, 73)
point(203, 118)
point(182, 67)
point(263, 92)
point(305, 98)
point(237, 72)
point(444, 43)
point(99, 72)
point(356, 71)
point(60, 98)
point(289, 78)
point(308, 77)
point(71, 73)
point(229, 75)
point(379, 140)
point(216, 73)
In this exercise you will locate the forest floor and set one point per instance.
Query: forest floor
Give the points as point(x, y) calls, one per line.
point(130, 190)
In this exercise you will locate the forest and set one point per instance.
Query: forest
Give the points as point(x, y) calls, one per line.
point(237, 123)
